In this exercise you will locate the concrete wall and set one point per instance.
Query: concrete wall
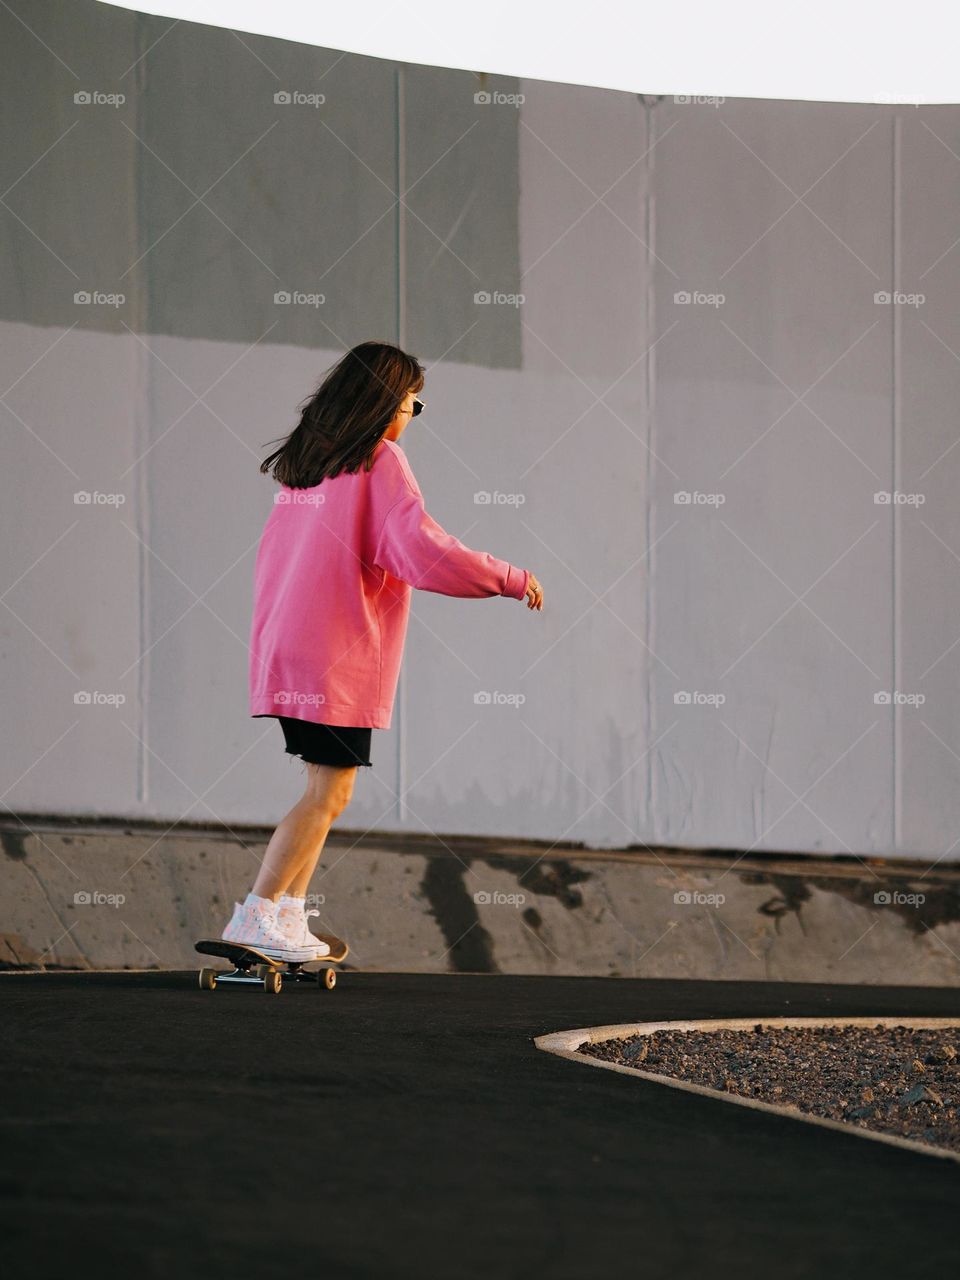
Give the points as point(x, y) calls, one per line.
point(139, 897)
point(598, 399)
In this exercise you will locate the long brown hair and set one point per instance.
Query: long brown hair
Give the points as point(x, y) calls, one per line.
point(344, 420)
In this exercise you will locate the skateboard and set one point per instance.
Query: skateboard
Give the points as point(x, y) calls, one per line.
point(253, 967)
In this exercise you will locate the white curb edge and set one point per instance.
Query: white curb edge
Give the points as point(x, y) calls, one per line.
point(566, 1043)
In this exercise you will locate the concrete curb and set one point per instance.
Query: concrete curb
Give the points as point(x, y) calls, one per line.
point(566, 1043)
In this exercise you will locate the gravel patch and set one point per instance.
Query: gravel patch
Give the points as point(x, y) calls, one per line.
point(894, 1080)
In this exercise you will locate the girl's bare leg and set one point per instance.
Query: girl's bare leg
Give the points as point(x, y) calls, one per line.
point(295, 846)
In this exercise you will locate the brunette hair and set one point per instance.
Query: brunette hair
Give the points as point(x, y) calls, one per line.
point(344, 420)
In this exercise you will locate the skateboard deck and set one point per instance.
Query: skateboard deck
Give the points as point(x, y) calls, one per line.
point(254, 967)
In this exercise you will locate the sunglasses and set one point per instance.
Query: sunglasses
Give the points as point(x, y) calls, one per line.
point(418, 406)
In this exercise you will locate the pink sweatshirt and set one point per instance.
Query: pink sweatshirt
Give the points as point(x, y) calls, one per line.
point(332, 585)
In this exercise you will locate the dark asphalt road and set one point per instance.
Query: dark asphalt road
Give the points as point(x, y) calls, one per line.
point(405, 1125)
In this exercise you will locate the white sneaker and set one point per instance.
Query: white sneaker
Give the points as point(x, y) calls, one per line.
point(294, 920)
point(255, 925)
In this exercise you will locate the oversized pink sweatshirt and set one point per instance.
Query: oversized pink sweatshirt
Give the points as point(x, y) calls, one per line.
point(332, 585)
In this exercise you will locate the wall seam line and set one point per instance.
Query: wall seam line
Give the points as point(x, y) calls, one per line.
point(141, 437)
point(650, 370)
point(897, 445)
point(401, 286)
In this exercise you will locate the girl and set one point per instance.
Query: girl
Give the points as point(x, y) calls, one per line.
point(346, 540)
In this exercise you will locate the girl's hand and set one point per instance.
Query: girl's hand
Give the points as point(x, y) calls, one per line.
point(534, 596)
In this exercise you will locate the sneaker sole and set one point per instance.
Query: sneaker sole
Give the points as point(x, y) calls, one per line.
point(296, 955)
point(287, 957)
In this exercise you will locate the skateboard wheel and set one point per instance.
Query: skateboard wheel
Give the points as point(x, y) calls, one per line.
point(208, 979)
point(329, 978)
point(272, 981)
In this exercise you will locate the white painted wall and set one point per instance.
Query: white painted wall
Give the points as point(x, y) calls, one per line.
point(796, 399)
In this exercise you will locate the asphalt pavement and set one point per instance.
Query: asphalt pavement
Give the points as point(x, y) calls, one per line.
point(405, 1125)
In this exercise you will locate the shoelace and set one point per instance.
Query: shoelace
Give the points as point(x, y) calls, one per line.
point(290, 919)
point(308, 935)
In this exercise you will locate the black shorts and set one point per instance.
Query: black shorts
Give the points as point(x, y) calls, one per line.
point(333, 744)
